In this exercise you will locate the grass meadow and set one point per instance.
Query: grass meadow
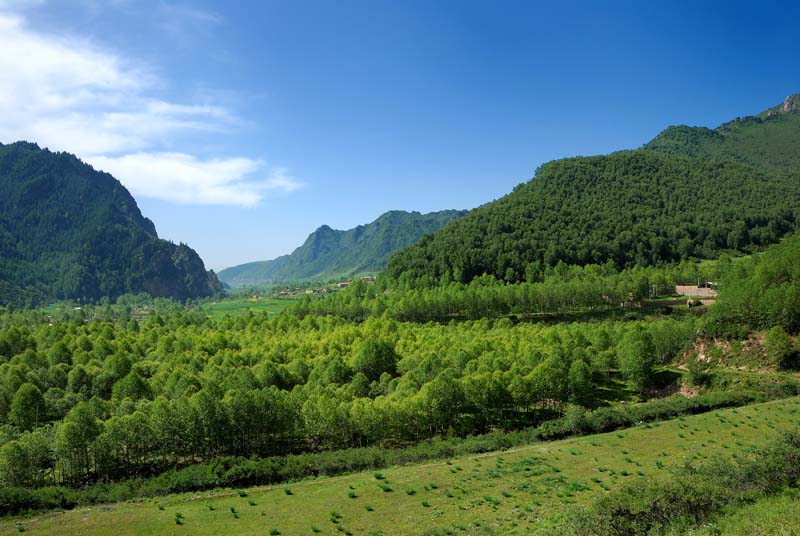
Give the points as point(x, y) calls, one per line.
point(772, 516)
point(238, 307)
point(512, 492)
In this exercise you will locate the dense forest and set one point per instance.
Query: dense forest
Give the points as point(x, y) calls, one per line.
point(113, 398)
point(113, 395)
point(68, 231)
point(328, 253)
point(692, 192)
point(564, 293)
point(633, 208)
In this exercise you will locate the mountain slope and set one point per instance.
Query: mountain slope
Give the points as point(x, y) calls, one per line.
point(633, 207)
point(683, 195)
point(329, 253)
point(68, 231)
point(770, 139)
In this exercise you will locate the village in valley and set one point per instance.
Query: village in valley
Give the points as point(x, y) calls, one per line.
point(283, 292)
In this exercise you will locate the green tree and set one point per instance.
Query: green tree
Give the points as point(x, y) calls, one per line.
point(28, 408)
point(132, 386)
point(59, 353)
point(15, 467)
point(780, 347)
point(442, 400)
point(374, 357)
point(637, 357)
point(74, 441)
point(697, 371)
point(579, 379)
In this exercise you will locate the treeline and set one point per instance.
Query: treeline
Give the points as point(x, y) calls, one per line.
point(635, 208)
point(230, 471)
point(114, 399)
point(562, 292)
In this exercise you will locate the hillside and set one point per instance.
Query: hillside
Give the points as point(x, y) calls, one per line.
point(677, 198)
point(68, 231)
point(329, 253)
point(770, 139)
point(633, 208)
point(520, 491)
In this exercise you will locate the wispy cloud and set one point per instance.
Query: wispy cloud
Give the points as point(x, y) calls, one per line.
point(69, 94)
point(20, 4)
point(281, 181)
point(182, 22)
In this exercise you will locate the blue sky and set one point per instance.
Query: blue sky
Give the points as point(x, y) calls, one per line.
point(240, 127)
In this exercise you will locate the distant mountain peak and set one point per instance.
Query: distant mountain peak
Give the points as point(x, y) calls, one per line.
point(329, 253)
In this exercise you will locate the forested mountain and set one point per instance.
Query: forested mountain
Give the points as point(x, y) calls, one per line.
point(682, 196)
point(329, 253)
point(69, 231)
point(770, 139)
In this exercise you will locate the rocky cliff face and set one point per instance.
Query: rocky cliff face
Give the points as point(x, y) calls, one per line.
point(790, 104)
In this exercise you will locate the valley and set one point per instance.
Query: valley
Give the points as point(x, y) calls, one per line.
point(609, 348)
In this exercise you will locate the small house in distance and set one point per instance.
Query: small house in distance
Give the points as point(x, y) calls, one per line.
point(706, 291)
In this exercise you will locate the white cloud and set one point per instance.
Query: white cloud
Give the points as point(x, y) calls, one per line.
point(184, 178)
point(69, 94)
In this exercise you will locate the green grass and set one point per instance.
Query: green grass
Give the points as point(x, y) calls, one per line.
point(511, 492)
point(238, 307)
point(778, 515)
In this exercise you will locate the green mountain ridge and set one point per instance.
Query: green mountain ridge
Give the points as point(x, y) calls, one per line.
point(329, 253)
point(68, 231)
point(690, 192)
point(770, 139)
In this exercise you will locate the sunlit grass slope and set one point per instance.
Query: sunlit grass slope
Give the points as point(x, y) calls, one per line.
point(513, 492)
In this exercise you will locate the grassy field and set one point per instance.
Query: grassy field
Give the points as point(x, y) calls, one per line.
point(773, 516)
point(513, 492)
point(272, 306)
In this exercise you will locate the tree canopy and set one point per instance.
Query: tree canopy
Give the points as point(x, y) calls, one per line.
point(632, 208)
